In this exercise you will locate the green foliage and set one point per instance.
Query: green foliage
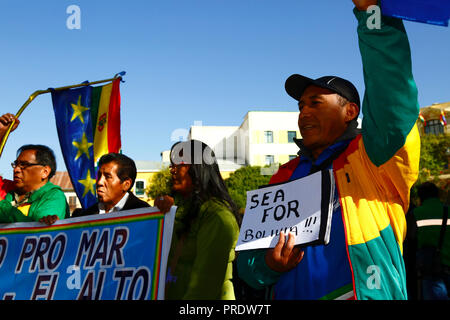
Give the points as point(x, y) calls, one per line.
point(243, 180)
point(433, 157)
point(160, 184)
point(433, 160)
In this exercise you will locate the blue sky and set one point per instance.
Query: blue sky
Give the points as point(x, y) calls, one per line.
point(186, 61)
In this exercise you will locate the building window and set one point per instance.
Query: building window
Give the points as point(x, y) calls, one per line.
point(270, 159)
point(73, 201)
point(292, 156)
point(140, 188)
point(291, 136)
point(434, 127)
point(268, 136)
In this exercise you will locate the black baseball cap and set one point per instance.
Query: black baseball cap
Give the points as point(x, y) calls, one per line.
point(296, 84)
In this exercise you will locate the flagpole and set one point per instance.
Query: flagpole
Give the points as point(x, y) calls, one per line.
point(39, 92)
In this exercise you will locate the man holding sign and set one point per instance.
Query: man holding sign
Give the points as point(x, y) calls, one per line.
point(373, 172)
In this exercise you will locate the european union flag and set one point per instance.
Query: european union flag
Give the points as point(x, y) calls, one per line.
point(74, 125)
point(428, 11)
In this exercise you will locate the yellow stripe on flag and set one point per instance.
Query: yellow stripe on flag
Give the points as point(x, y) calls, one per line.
point(101, 129)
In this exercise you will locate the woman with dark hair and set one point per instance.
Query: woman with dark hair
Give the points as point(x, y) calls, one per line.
point(206, 226)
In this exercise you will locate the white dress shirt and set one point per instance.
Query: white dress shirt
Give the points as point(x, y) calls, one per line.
point(119, 205)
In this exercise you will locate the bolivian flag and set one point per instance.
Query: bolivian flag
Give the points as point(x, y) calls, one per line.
point(442, 118)
point(421, 118)
point(88, 125)
point(105, 110)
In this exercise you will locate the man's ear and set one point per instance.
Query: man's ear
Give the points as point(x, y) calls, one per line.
point(45, 172)
point(126, 185)
point(351, 111)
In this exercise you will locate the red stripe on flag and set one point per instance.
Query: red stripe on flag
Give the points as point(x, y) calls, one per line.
point(114, 143)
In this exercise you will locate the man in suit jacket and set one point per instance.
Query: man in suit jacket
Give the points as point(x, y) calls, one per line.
point(115, 179)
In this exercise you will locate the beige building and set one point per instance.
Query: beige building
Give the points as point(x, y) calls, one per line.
point(432, 116)
point(263, 138)
point(145, 172)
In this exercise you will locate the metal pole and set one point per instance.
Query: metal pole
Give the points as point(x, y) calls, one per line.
point(39, 92)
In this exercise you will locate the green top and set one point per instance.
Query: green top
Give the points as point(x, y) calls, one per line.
point(429, 221)
point(203, 268)
point(47, 200)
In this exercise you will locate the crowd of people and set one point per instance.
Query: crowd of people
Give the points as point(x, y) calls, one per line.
point(374, 170)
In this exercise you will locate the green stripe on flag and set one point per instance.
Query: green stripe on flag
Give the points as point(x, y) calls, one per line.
point(95, 101)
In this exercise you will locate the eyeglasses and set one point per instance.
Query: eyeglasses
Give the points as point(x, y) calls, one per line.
point(23, 165)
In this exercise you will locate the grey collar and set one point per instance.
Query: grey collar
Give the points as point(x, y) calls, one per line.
point(16, 202)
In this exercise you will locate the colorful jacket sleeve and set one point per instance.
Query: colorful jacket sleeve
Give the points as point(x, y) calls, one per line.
point(390, 107)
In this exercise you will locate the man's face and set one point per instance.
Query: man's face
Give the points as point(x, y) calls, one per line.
point(322, 118)
point(109, 187)
point(28, 174)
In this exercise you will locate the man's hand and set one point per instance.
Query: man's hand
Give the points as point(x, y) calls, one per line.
point(5, 122)
point(49, 220)
point(164, 203)
point(285, 256)
point(362, 5)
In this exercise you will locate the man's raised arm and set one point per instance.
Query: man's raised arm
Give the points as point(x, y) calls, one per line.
point(390, 105)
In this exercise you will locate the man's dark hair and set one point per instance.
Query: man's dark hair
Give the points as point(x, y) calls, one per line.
point(44, 156)
point(427, 190)
point(126, 166)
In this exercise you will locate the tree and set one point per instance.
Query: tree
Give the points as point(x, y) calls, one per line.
point(243, 180)
point(160, 184)
point(433, 161)
point(433, 154)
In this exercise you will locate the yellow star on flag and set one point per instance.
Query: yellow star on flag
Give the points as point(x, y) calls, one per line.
point(78, 110)
point(88, 184)
point(82, 146)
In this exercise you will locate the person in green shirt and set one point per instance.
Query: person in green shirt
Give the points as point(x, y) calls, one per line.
point(206, 226)
point(34, 197)
point(429, 219)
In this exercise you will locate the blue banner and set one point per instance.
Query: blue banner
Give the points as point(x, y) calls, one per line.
point(428, 11)
point(115, 256)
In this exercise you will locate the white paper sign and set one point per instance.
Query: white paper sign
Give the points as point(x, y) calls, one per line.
point(303, 207)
